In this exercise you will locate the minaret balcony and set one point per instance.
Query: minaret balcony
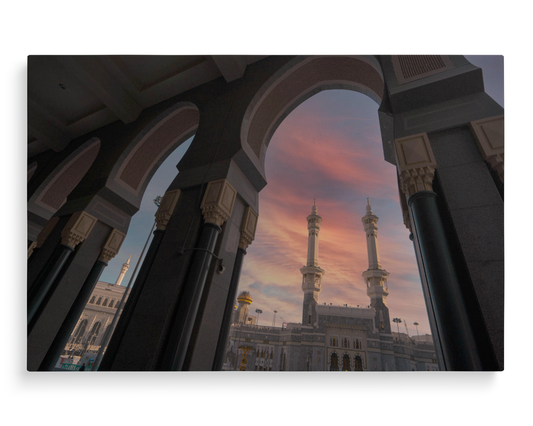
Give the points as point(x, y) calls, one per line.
point(316, 270)
point(377, 292)
point(375, 273)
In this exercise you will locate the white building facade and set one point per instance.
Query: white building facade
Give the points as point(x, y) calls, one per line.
point(97, 316)
point(331, 338)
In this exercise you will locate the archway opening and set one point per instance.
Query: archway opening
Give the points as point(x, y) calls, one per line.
point(329, 148)
point(120, 274)
point(346, 362)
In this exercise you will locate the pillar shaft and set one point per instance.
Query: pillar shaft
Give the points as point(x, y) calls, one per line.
point(133, 299)
point(228, 311)
point(45, 283)
point(192, 293)
point(463, 336)
point(72, 317)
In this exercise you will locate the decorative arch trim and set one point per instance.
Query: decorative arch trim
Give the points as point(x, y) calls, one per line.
point(299, 80)
point(53, 192)
point(152, 145)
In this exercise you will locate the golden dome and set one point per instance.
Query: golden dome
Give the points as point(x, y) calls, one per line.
point(245, 297)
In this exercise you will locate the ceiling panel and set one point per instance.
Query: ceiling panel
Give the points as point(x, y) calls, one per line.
point(146, 71)
point(57, 91)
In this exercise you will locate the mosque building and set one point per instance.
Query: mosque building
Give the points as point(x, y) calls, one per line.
point(330, 338)
point(87, 338)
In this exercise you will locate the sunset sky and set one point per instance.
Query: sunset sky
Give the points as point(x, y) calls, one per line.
point(329, 148)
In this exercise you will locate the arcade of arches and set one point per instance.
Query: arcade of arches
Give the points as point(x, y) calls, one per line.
point(99, 127)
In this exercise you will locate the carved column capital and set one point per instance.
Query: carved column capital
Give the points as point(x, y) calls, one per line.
point(77, 229)
point(416, 163)
point(165, 210)
point(249, 225)
point(405, 208)
point(218, 201)
point(489, 136)
point(112, 246)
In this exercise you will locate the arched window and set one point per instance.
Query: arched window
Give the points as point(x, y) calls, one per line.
point(94, 333)
point(93, 299)
point(358, 363)
point(334, 365)
point(80, 331)
point(345, 343)
point(111, 303)
point(346, 362)
point(333, 341)
point(105, 302)
point(99, 301)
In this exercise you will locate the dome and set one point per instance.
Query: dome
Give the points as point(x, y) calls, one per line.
point(245, 297)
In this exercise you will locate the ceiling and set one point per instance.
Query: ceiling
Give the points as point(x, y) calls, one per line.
point(69, 96)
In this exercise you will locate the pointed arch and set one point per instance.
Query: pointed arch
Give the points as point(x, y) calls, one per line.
point(346, 362)
point(358, 363)
point(80, 331)
point(54, 190)
point(94, 333)
point(152, 145)
point(334, 362)
point(297, 81)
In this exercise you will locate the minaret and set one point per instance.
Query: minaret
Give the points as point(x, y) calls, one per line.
point(312, 273)
point(241, 314)
point(125, 267)
point(375, 277)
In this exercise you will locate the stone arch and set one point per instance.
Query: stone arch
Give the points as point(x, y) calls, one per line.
point(296, 82)
point(53, 191)
point(145, 153)
point(358, 363)
point(346, 362)
point(334, 362)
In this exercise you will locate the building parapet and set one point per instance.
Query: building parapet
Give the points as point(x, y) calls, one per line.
point(346, 311)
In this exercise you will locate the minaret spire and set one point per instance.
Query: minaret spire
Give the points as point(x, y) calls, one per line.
point(375, 277)
point(125, 267)
point(312, 273)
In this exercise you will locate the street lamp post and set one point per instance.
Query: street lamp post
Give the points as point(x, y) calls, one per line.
point(397, 321)
point(416, 325)
point(258, 312)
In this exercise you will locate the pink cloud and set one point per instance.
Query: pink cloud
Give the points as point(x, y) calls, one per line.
point(310, 155)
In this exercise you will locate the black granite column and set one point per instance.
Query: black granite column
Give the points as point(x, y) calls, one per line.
point(72, 317)
point(463, 336)
point(220, 352)
point(190, 299)
point(133, 298)
point(45, 282)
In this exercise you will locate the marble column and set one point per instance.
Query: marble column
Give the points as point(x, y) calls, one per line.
point(76, 231)
point(162, 216)
point(460, 328)
point(217, 206)
point(109, 251)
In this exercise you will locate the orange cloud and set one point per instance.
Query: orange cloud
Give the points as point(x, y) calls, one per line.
point(339, 161)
